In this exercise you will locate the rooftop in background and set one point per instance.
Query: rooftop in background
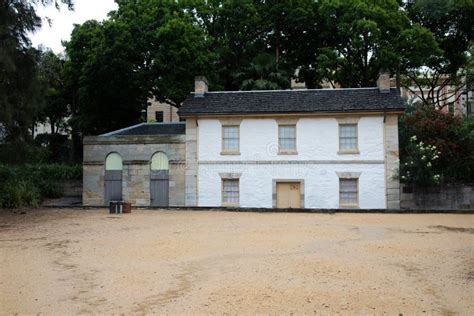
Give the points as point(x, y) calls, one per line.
point(293, 101)
point(150, 129)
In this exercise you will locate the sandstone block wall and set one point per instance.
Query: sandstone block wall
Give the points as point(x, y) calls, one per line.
point(136, 153)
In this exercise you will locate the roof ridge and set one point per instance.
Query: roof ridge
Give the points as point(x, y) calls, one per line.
point(292, 90)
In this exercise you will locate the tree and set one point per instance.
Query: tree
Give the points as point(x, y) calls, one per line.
point(263, 73)
point(20, 91)
point(105, 83)
point(450, 21)
point(55, 108)
point(358, 38)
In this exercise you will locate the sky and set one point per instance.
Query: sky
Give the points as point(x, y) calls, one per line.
point(63, 21)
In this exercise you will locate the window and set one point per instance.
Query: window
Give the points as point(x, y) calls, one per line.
point(230, 139)
point(348, 138)
point(287, 138)
point(348, 192)
point(113, 162)
point(159, 161)
point(159, 116)
point(230, 191)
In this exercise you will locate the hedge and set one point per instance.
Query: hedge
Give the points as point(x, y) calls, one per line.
point(27, 185)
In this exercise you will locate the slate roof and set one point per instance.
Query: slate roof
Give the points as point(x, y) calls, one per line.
point(147, 129)
point(293, 101)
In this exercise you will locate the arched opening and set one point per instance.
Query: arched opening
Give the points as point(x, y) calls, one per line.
point(159, 180)
point(159, 161)
point(113, 178)
point(113, 162)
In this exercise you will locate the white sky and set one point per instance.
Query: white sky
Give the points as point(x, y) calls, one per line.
point(63, 21)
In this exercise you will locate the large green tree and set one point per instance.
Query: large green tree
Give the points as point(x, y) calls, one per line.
point(20, 91)
point(450, 23)
point(104, 79)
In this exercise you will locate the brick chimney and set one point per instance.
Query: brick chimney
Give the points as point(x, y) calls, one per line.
point(200, 86)
point(383, 82)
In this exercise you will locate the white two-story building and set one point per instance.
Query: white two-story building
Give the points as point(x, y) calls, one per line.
point(335, 148)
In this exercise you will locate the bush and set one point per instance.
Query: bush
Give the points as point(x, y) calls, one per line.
point(19, 194)
point(27, 185)
point(452, 136)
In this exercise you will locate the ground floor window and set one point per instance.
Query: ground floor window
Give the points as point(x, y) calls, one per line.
point(348, 192)
point(230, 192)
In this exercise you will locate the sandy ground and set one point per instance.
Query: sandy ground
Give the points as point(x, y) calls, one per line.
point(87, 261)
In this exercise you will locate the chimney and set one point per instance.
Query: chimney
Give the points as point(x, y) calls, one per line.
point(200, 86)
point(383, 82)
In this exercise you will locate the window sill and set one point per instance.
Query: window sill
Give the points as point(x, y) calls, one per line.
point(230, 153)
point(230, 204)
point(287, 152)
point(349, 206)
point(349, 152)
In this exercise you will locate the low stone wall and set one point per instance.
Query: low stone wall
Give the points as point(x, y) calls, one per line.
point(71, 188)
point(448, 197)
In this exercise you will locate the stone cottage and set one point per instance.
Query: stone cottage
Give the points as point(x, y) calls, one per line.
point(325, 148)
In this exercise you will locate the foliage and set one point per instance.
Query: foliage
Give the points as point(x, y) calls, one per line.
point(20, 91)
point(54, 109)
point(450, 135)
point(419, 160)
point(263, 73)
point(450, 23)
point(26, 185)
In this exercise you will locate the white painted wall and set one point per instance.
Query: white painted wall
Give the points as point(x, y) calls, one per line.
point(317, 140)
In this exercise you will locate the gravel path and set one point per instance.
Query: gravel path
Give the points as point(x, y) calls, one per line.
point(87, 261)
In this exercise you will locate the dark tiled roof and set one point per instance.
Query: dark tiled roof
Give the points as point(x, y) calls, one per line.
point(293, 101)
point(150, 129)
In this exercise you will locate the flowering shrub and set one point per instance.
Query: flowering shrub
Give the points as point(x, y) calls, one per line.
point(452, 137)
point(417, 165)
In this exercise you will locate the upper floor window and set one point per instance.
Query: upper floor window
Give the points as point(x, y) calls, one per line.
point(287, 139)
point(159, 116)
point(348, 138)
point(230, 139)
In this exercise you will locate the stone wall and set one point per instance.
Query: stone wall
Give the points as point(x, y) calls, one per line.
point(392, 184)
point(71, 188)
point(136, 153)
point(449, 197)
point(170, 113)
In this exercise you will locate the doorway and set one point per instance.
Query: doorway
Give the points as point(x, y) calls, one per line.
point(159, 180)
point(288, 194)
point(113, 178)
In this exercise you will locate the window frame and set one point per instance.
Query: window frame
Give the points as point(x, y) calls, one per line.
point(354, 150)
point(284, 151)
point(349, 205)
point(227, 203)
point(226, 151)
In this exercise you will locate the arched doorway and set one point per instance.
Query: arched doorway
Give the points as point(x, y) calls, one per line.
point(159, 180)
point(113, 178)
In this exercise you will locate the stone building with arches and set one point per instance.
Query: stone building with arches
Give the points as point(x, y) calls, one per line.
point(142, 164)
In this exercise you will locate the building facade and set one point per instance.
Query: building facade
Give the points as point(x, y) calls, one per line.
point(159, 112)
point(325, 149)
point(142, 164)
point(328, 149)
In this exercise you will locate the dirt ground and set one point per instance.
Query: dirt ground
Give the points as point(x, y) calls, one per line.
point(87, 261)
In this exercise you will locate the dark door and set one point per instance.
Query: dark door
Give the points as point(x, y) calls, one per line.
point(159, 188)
point(113, 186)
